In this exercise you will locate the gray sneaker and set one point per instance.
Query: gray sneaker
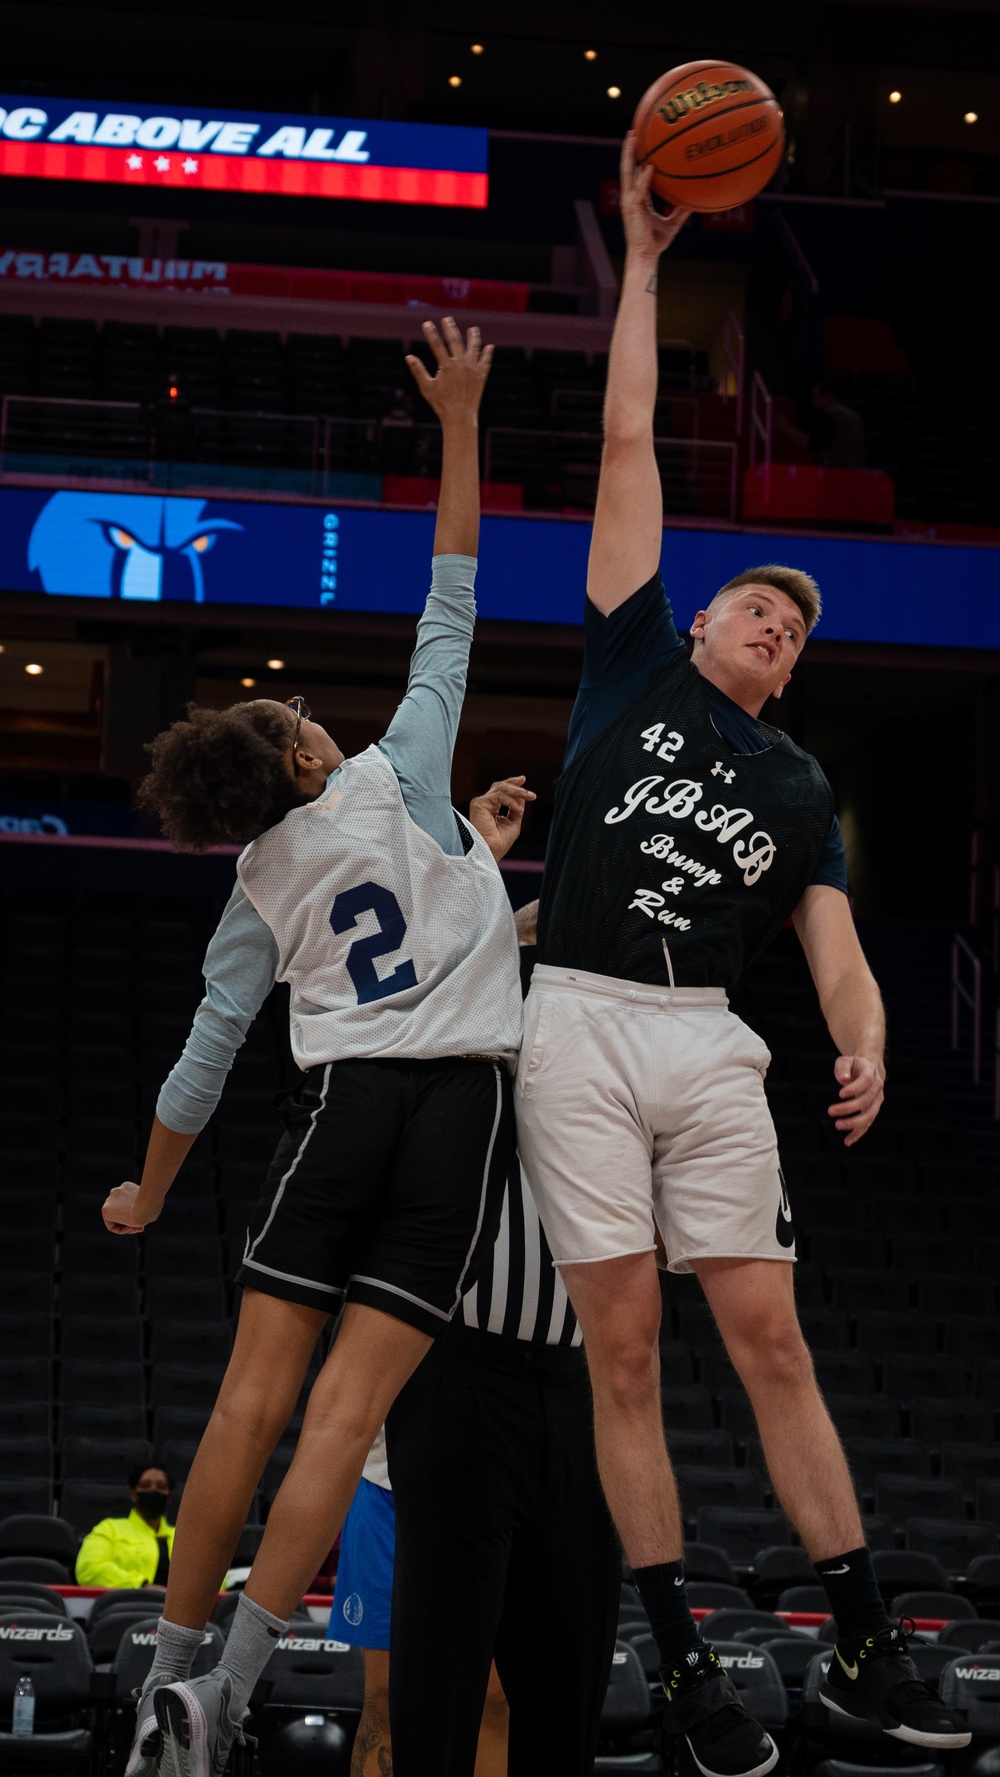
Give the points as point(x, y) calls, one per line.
point(198, 1726)
point(147, 1741)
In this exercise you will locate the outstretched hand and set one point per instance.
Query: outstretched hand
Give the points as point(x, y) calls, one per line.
point(647, 233)
point(457, 386)
point(862, 1089)
point(498, 814)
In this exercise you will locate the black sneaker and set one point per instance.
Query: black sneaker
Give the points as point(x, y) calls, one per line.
point(703, 1705)
point(876, 1681)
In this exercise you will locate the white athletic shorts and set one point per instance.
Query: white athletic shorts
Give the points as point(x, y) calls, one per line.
point(641, 1108)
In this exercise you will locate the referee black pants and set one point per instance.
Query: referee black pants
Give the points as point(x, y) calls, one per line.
point(505, 1550)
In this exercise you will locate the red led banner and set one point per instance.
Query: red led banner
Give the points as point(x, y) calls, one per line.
point(230, 172)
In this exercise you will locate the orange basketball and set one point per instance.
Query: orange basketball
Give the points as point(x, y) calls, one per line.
point(713, 132)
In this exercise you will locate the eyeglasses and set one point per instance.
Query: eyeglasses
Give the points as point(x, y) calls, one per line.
point(301, 708)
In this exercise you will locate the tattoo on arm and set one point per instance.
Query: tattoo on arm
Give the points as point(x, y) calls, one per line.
point(653, 281)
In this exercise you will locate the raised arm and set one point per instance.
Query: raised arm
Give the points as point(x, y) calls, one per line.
point(455, 392)
point(628, 523)
point(851, 1003)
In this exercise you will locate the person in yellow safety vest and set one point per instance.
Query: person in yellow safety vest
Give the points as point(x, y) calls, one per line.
point(132, 1551)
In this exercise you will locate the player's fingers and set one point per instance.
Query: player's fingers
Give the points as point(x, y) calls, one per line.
point(485, 360)
point(435, 342)
point(627, 162)
point(473, 344)
point(453, 336)
point(419, 373)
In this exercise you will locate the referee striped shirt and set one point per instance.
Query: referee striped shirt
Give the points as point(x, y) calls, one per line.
point(520, 1294)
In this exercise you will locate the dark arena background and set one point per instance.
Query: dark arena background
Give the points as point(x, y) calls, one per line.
point(221, 226)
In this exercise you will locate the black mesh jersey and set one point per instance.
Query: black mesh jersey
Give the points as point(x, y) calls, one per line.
point(662, 834)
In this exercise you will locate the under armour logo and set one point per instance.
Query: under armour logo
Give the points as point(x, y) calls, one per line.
point(719, 770)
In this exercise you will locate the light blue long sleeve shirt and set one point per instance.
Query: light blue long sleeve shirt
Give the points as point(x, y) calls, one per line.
point(242, 957)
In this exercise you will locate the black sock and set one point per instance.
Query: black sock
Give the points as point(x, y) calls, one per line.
point(850, 1584)
point(664, 1597)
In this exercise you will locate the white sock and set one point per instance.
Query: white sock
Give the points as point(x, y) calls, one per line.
point(249, 1645)
point(176, 1647)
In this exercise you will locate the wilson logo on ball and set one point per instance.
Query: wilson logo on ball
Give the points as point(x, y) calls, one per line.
point(678, 106)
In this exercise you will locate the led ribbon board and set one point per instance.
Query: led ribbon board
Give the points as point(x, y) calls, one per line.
point(261, 152)
point(178, 548)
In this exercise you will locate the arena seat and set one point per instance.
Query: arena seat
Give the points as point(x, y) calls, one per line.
point(86, 1295)
point(908, 1570)
point(101, 1340)
point(901, 1497)
point(717, 1595)
point(982, 1582)
point(14, 1594)
point(931, 1605)
point(974, 1687)
point(22, 1457)
point(854, 1290)
point(183, 1341)
point(804, 1598)
point(970, 1337)
point(102, 1459)
point(686, 1409)
point(717, 1487)
point(84, 1503)
point(909, 1374)
point(969, 1633)
point(758, 1681)
point(61, 1673)
point(864, 1416)
point(944, 1294)
point(937, 1422)
point(846, 1372)
point(27, 1292)
point(185, 1298)
point(125, 1423)
point(94, 1255)
point(29, 1533)
point(886, 1331)
point(90, 1383)
point(185, 1385)
point(840, 1248)
point(953, 1543)
point(36, 1569)
point(871, 1457)
point(970, 1463)
point(987, 1500)
point(740, 1531)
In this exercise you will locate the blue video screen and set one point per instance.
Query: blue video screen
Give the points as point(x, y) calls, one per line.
point(176, 549)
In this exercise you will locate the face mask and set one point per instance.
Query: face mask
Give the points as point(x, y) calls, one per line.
point(151, 1504)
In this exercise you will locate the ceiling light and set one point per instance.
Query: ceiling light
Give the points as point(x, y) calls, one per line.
point(34, 669)
point(248, 684)
point(614, 92)
point(590, 55)
point(894, 98)
point(2, 650)
point(477, 49)
point(276, 666)
point(454, 80)
point(972, 117)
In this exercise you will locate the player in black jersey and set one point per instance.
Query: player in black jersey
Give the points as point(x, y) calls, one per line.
point(685, 833)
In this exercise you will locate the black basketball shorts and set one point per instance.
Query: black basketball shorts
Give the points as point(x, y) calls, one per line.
point(385, 1188)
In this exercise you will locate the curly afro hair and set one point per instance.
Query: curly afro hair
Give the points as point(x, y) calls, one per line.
point(221, 776)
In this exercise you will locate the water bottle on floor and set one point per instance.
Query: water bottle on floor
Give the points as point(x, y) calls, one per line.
point(24, 1706)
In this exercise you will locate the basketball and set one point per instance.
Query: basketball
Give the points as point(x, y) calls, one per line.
point(713, 132)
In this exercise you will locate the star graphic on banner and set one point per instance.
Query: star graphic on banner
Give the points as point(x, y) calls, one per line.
point(162, 164)
point(190, 166)
point(134, 161)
